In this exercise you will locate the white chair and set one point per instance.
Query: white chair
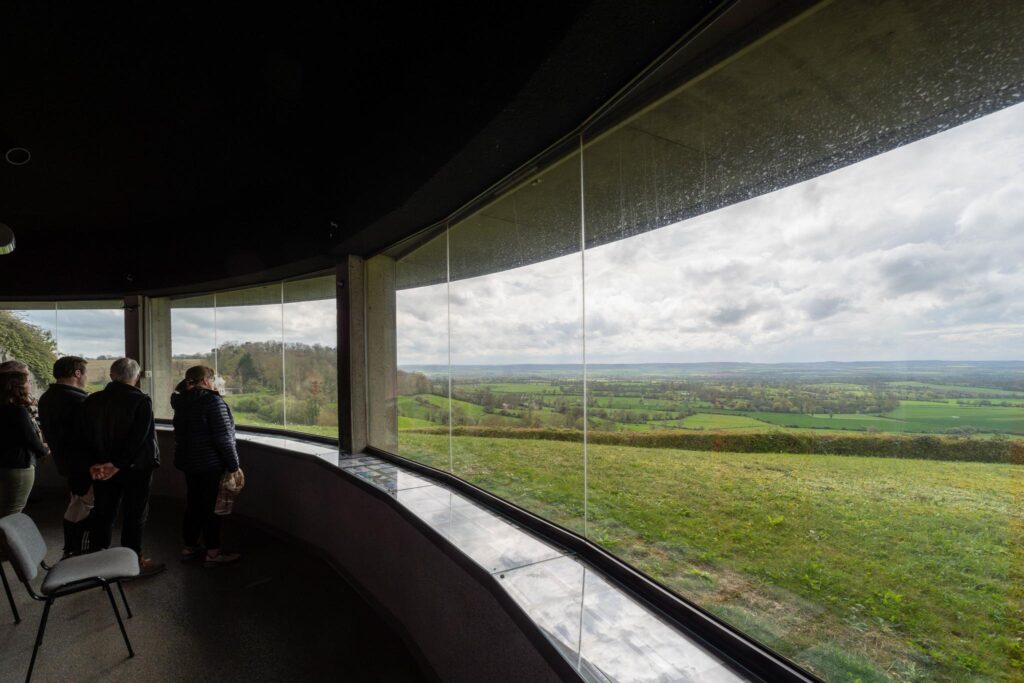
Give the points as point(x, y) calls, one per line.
point(25, 548)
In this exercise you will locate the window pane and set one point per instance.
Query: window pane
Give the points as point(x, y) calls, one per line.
point(823, 383)
point(193, 336)
point(96, 335)
point(422, 342)
point(516, 347)
point(43, 331)
point(250, 358)
point(311, 357)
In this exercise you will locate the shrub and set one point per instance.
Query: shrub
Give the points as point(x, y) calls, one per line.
point(247, 404)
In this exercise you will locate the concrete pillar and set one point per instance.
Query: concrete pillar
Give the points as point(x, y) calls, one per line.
point(382, 354)
point(133, 328)
point(157, 355)
point(352, 354)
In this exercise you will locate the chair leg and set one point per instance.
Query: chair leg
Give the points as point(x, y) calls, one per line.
point(10, 597)
point(117, 613)
point(39, 638)
point(124, 600)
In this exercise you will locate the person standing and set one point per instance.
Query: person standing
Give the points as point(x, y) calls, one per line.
point(204, 437)
point(21, 443)
point(120, 434)
point(60, 410)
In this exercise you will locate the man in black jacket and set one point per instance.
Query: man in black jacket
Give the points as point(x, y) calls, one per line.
point(119, 430)
point(60, 412)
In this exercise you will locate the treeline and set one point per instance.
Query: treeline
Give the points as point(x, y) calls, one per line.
point(874, 445)
point(255, 367)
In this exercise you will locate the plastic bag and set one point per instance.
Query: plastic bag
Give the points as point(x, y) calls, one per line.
point(230, 485)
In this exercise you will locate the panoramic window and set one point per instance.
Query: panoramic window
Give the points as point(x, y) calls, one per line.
point(273, 348)
point(38, 334)
point(763, 342)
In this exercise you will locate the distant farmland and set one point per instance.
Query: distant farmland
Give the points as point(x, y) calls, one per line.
point(862, 518)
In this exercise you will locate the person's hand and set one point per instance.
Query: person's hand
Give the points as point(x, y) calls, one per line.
point(104, 471)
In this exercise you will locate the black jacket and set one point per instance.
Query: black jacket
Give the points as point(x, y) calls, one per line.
point(60, 412)
point(20, 444)
point(204, 432)
point(117, 427)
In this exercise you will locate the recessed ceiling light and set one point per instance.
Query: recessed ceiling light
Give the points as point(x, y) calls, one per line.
point(18, 156)
point(6, 239)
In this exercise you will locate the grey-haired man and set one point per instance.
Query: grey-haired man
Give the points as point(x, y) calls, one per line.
point(119, 431)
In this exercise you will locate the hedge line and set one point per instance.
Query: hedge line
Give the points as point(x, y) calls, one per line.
point(921, 447)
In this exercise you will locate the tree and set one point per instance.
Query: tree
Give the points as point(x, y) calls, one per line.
point(247, 370)
point(31, 345)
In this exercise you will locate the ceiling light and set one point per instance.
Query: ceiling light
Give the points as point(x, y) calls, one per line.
point(6, 239)
point(18, 156)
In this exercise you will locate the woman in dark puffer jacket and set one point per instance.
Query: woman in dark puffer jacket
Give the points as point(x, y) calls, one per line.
point(204, 436)
point(21, 443)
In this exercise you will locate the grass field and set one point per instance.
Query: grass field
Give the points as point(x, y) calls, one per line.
point(836, 421)
point(250, 420)
point(939, 416)
point(716, 421)
point(910, 416)
point(861, 568)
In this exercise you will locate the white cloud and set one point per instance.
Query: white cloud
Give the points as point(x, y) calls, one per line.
point(914, 254)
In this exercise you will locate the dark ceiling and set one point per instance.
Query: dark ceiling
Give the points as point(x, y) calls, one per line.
point(183, 148)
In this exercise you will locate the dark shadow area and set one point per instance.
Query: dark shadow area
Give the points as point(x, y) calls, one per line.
point(279, 614)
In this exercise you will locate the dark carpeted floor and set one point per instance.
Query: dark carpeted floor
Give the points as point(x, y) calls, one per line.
point(277, 615)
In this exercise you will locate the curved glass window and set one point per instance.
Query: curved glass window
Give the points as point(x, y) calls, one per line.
point(273, 347)
point(38, 333)
point(763, 339)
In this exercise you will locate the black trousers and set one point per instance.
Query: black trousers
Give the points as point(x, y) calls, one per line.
point(201, 500)
point(130, 489)
point(76, 534)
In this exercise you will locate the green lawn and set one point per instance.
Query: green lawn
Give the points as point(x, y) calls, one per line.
point(414, 423)
point(860, 568)
point(717, 421)
point(939, 416)
point(250, 420)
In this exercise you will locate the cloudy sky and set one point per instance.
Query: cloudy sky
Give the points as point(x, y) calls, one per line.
point(311, 322)
point(88, 333)
point(914, 254)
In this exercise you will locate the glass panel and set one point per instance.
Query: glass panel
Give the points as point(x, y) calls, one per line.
point(250, 355)
point(40, 332)
point(311, 357)
point(806, 375)
point(96, 335)
point(516, 347)
point(193, 335)
point(422, 349)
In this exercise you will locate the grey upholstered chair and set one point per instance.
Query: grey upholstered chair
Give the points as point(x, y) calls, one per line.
point(24, 546)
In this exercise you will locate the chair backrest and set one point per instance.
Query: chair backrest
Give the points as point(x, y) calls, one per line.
point(23, 544)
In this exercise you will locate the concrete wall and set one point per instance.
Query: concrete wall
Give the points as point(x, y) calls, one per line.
point(460, 627)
